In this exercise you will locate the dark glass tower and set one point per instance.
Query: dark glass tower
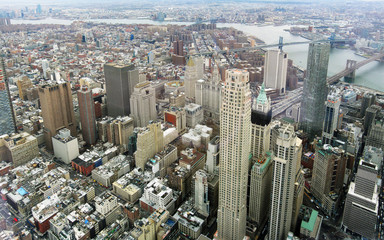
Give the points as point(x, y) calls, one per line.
point(315, 89)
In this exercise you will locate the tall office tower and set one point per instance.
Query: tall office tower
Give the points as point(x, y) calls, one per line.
point(178, 47)
point(328, 175)
point(87, 115)
point(149, 142)
point(7, 116)
point(213, 151)
point(120, 81)
point(332, 106)
point(200, 191)
point(57, 109)
point(23, 84)
point(235, 147)
point(143, 104)
point(275, 70)
point(45, 67)
point(261, 119)
point(362, 202)
point(370, 116)
point(260, 188)
point(190, 79)
point(376, 135)
point(208, 94)
point(368, 100)
point(287, 149)
point(315, 89)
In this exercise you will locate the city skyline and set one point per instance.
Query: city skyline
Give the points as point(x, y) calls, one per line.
point(192, 120)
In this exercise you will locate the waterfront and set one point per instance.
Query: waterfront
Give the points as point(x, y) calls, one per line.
point(368, 76)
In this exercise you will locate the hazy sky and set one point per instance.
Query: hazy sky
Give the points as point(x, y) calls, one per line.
point(18, 3)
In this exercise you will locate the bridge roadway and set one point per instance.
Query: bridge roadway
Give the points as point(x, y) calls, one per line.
point(295, 96)
point(267, 46)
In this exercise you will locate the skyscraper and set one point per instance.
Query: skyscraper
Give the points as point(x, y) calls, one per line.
point(362, 201)
point(275, 70)
point(328, 175)
point(315, 89)
point(235, 147)
point(332, 106)
point(7, 117)
point(57, 109)
point(261, 118)
point(260, 188)
point(287, 149)
point(143, 104)
point(208, 94)
point(190, 79)
point(120, 81)
point(87, 115)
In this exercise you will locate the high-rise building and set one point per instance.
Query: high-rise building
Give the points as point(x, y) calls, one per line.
point(57, 109)
point(143, 104)
point(7, 116)
point(315, 89)
point(23, 84)
point(208, 94)
point(332, 106)
point(235, 147)
point(368, 100)
point(370, 117)
point(120, 81)
point(178, 47)
point(213, 155)
point(200, 190)
point(149, 142)
point(261, 119)
point(87, 115)
point(275, 70)
point(287, 149)
point(260, 187)
point(328, 175)
point(362, 202)
point(190, 79)
point(376, 135)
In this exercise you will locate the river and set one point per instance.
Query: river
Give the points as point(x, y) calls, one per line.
point(368, 76)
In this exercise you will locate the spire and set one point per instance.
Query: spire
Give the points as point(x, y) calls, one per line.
point(190, 63)
point(262, 98)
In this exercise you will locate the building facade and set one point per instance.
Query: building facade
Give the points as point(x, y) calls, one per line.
point(7, 116)
point(362, 202)
point(208, 94)
point(235, 147)
point(332, 106)
point(143, 104)
point(120, 81)
point(287, 149)
point(57, 109)
point(275, 70)
point(190, 79)
point(260, 188)
point(315, 89)
point(87, 115)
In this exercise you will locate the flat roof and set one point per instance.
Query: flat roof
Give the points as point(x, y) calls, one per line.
point(311, 222)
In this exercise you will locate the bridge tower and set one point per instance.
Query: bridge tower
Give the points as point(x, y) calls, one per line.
point(351, 64)
point(281, 43)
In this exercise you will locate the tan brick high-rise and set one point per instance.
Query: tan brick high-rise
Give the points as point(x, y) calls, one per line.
point(57, 109)
point(235, 147)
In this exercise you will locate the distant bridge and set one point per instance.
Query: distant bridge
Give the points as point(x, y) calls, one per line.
point(280, 45)
point(352, 66)
point(349, 71)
